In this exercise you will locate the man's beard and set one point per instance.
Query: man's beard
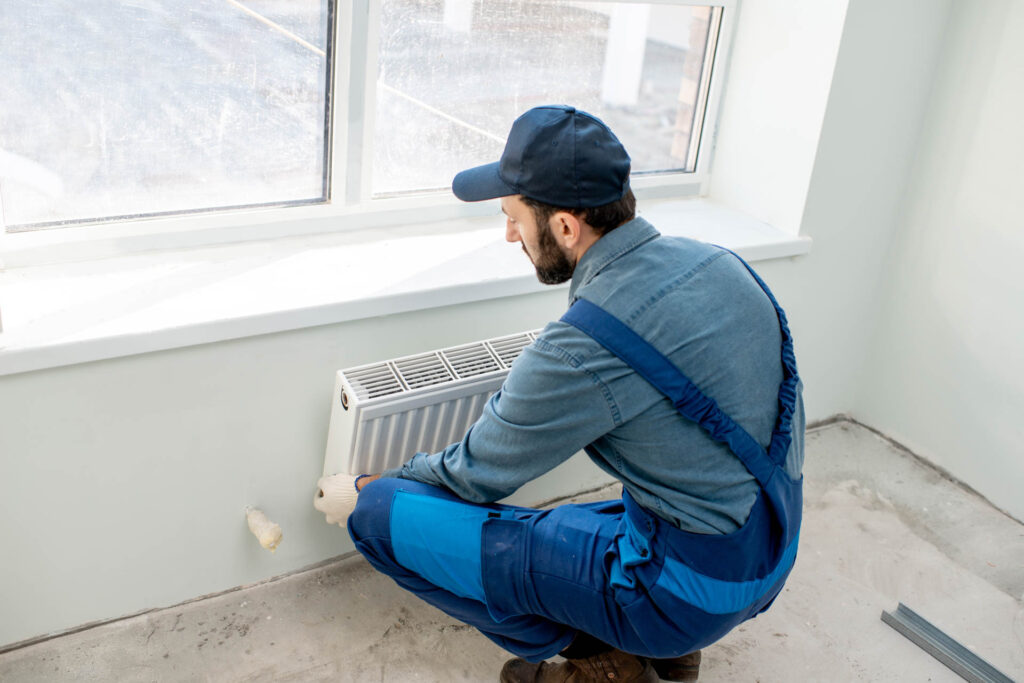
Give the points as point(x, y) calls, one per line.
point(553, 266)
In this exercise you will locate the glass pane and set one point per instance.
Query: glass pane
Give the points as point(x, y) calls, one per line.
point(454, 75)
point(117, 108)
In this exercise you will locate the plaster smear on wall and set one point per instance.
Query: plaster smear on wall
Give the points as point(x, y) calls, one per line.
point(266, 532)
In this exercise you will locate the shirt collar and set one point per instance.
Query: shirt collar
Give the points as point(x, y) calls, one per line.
point(611, 246)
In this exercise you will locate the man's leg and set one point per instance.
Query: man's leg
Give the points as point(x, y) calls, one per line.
point(531, 580)
point(429, 542)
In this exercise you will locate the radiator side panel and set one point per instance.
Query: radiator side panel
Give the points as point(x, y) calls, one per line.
point(341, 432)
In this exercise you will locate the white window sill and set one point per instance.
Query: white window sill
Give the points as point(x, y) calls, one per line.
point(77, 312)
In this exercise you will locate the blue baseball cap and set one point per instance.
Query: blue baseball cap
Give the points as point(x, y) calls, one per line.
point(554, 154)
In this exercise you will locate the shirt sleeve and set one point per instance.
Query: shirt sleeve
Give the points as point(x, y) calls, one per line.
point(549, 407)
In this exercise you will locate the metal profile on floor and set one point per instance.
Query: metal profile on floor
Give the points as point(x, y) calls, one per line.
point(939, 645)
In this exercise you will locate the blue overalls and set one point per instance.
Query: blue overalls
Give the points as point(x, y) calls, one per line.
point(531, 579)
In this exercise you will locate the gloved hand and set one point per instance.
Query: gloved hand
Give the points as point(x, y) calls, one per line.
point(336, 497)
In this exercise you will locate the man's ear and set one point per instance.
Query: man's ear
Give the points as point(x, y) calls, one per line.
point(566, 228)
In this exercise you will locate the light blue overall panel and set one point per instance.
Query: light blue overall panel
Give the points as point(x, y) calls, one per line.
point(716, 596)
point(439, 540)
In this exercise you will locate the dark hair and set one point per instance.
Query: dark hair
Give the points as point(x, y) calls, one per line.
point(603, 219)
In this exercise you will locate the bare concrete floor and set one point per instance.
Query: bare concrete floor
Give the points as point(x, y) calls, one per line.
point(879, 528)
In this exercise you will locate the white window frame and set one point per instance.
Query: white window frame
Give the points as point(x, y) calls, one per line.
point(349, 205)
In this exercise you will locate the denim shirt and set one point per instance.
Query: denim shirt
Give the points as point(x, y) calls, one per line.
point(696, 304)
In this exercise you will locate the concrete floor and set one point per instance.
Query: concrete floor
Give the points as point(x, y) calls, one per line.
point(880, 528)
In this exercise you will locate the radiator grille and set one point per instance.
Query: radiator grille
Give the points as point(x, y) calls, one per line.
point(423, 371)
point(471, 360)
point(373, 381)
point(436, 368)
point(509, 348)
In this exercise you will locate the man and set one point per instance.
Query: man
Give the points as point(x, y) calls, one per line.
point(673, 368)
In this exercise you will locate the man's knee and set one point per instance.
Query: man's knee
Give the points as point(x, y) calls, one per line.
point(372, 515)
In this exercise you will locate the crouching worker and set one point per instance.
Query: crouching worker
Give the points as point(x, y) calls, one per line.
point(673, 368)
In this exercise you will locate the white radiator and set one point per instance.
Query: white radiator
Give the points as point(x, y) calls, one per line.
point(384, 413)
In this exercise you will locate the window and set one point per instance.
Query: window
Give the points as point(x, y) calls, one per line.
point(115, 108)
point(454, 75)
point(120, 110)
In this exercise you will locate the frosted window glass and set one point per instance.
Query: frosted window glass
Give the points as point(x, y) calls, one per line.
point(454, 75)
point(117, 108)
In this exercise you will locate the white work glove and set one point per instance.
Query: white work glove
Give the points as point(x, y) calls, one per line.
point(336, 497)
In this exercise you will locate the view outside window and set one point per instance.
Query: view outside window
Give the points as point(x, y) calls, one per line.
point(454, 75)
point(112, 108)
point(123, 108)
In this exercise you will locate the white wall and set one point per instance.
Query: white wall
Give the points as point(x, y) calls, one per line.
point(122, 482)
point(947, 364)
point(828, 154)
point(776, 92)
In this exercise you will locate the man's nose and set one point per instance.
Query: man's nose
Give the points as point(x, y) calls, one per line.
point(512, 232)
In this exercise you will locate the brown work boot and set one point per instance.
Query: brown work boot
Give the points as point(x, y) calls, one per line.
point(614, 665)
point(683, 668)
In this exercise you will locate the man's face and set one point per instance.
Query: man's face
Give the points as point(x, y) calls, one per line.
point(551, 262)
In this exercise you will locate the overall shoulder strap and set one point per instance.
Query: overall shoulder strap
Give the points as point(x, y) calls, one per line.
point(782, 435)
point(653, 366)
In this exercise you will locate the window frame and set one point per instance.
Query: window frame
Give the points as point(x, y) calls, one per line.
point(352, 98)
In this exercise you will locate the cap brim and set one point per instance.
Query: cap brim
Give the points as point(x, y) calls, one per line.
point(480, 183)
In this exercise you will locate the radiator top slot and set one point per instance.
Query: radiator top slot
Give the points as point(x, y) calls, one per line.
point(373, 381)
point(444, 366)
point(509, 348)
point(472, 360)
point(423, 371)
